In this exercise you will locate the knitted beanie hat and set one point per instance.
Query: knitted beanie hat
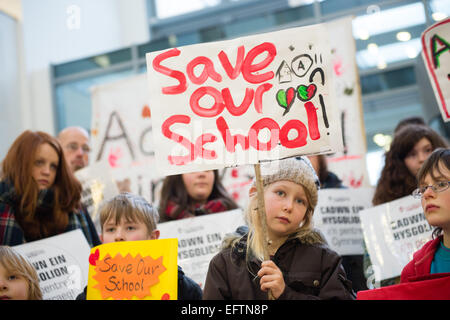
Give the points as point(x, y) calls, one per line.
point(296, 169)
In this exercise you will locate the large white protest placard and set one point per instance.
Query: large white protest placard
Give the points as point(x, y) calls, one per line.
point(98, 186)
point(200, 239)
point(393, 232)
point(337, 217)
point(350, 163)
point(436, 54)
point(122, 132)
point(61, 262)
point(261, 97)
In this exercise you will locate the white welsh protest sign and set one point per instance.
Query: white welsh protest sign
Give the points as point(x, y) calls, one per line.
point(261, 97)
point(436, 54)
point(337, 217)
point(392, 233)
point(200, 239)
point(121, 133)
point(61, 262)
point(350, 163)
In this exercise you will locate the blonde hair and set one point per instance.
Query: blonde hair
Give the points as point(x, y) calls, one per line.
point(130, 207)
point(305, 230)
point(14, 263)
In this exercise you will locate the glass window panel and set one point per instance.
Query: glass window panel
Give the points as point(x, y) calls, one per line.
point(73, 99)
point(119, 56)
point(399, 78)
point(383, 112)
point(74, 67)
point(333, 6)
point(170, 8)
point(248, 25)
point(371, 83)
point(184, 39)
point(294, 14)
point(212, 34)
point(155, 45)
point(388, 80)
point(96, 62)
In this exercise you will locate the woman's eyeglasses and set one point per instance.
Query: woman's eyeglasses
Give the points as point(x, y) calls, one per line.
point(437, 187)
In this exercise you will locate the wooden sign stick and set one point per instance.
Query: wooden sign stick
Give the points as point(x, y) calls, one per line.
point(262, 216)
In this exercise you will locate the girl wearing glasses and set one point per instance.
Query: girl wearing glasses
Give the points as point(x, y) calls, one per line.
point(433, 181)
point(39, 196)
point(412, 145)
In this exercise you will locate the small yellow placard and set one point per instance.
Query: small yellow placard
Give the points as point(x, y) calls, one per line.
point(144, 270)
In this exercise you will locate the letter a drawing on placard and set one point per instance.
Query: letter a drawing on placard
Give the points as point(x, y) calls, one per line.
point(123, 135)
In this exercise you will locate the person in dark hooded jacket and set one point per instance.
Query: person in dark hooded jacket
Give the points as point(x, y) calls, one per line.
point(301, 265)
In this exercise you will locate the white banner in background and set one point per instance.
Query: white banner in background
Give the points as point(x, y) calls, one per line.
point(393, 232)
point(61, 262)
point(200, 239)
point(337, 217)
point(121, 133)
point(350, 164)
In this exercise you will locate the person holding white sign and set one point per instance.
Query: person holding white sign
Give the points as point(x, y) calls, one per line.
point(193, 194)
point(434, 192)
point(412, 145)
point(302, 266)
point(39, 195)
point(18, 278)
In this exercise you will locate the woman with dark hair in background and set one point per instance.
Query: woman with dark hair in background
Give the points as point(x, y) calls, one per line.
point(193, 194)
point(411, 146)
point(39, 196)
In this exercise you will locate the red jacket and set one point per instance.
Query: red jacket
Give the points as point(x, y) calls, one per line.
point(416, 282)
point(419, 267)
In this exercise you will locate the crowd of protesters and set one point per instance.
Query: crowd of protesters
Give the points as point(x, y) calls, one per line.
point(40, 197)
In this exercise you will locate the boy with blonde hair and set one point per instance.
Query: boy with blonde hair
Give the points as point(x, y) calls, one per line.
point(129, 217)
point(18, 278)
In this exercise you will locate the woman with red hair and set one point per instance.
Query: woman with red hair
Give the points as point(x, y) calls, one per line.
point(39, 196)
